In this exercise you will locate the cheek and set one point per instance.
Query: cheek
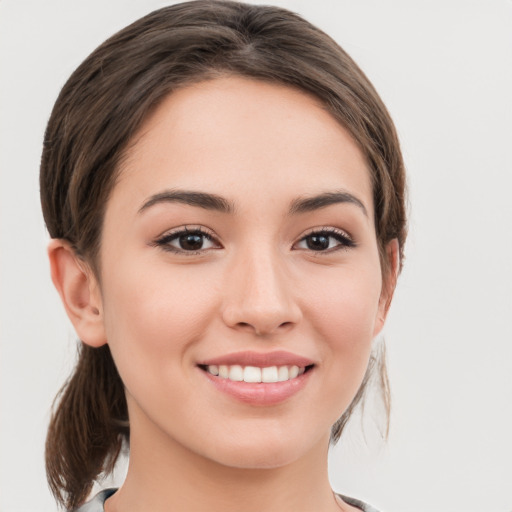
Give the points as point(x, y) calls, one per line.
point(344, 312)
point(153, 315)
point(345, 305)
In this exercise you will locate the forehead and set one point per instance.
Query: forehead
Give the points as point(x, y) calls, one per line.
point(235, 134)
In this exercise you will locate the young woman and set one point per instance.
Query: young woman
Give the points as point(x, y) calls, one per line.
point(224, 190)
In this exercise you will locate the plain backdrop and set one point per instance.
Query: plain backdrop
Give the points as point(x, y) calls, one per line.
point(444, 69)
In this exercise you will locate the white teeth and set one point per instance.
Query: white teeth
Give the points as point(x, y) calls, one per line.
point(253, 374)
point(236, 373)
point(269, 374)
point(283, 374)
point(294, 371)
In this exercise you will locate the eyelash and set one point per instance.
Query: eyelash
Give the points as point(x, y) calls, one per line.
point(345, 240)
point(164, 242)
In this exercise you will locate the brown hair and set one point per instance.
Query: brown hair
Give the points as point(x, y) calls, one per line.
point(96, 116)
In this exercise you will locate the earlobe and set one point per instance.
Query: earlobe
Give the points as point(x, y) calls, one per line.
point(79, 292)
point(389, 283)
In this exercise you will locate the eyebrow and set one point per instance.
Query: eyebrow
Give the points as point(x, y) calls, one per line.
point(308, 204)
point(218, 203)
point(200, 199)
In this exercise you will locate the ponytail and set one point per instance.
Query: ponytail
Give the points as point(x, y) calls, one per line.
point(376, 373)
point(87, 427)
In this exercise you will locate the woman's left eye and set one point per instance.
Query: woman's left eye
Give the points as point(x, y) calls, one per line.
point(325, 240)
point(187, 241)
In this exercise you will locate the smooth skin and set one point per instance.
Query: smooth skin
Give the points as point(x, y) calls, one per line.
point(268, 275)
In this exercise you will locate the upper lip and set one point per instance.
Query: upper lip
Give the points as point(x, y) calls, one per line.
point(259, 359)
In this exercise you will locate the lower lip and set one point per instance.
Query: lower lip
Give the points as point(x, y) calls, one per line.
point(259, 393)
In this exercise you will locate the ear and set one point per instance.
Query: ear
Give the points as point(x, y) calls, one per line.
point(389, 278)
point(79, 292)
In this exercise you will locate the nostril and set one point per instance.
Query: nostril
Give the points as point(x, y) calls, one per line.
point(263, 329)
point(244, 326)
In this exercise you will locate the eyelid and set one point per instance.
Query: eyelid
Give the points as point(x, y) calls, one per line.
point(327, 229)
point(186, 228)
point(346, 241)
point(163, 241)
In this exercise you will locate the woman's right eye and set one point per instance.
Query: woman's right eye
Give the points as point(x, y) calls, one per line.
point(187, 241)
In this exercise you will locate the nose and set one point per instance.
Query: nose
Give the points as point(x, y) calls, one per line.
point(259, 296)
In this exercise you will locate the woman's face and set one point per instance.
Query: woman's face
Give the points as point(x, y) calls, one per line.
point(240, 240)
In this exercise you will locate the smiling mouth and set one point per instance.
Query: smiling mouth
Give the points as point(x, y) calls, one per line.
point(255, 374)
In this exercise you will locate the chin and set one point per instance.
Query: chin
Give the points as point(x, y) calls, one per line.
point(255, 459)
point(262, 450)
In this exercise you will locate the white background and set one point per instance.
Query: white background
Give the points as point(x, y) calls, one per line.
point(444, 68)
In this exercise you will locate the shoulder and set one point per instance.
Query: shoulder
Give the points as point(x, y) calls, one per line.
point(358, 504)
point(96, 503)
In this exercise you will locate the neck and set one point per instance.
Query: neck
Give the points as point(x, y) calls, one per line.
point(163, 476)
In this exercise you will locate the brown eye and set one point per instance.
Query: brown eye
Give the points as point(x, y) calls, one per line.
point(188, 241)
point(317, 242)
point(191, 241)
point(326, 241)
